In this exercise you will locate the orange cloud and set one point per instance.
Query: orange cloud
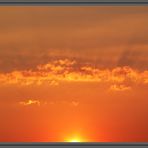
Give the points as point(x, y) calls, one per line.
point(145, 77)
point(119, 87)
point(121, 74)
point(30, 102)
point(67, 70)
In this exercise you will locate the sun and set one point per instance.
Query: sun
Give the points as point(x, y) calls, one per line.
point(74, 140)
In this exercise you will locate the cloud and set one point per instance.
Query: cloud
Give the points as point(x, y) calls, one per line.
point(30, 102)
point(57, 71)
point(145, 77)
point(119, 88)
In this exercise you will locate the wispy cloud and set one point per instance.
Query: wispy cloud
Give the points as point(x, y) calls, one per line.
point(119, 88)
point(38, 102)
point(30, 102)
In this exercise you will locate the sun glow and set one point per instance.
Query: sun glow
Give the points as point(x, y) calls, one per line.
point(74, 140)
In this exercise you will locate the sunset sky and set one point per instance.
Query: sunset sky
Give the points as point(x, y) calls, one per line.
point(74, 74)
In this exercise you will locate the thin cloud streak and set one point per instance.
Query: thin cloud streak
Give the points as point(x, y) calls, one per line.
point(30, 102)
point(119, 88)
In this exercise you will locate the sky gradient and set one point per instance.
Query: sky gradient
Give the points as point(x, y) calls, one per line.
point(74, 73)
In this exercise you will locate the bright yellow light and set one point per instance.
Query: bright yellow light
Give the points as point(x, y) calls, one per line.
point(74, 140)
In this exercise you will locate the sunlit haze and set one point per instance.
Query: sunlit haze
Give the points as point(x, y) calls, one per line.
point(74, 74)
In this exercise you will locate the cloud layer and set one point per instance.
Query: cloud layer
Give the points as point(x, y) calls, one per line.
point(66, 70)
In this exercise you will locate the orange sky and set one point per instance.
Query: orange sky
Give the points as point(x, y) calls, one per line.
point(73, 73)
